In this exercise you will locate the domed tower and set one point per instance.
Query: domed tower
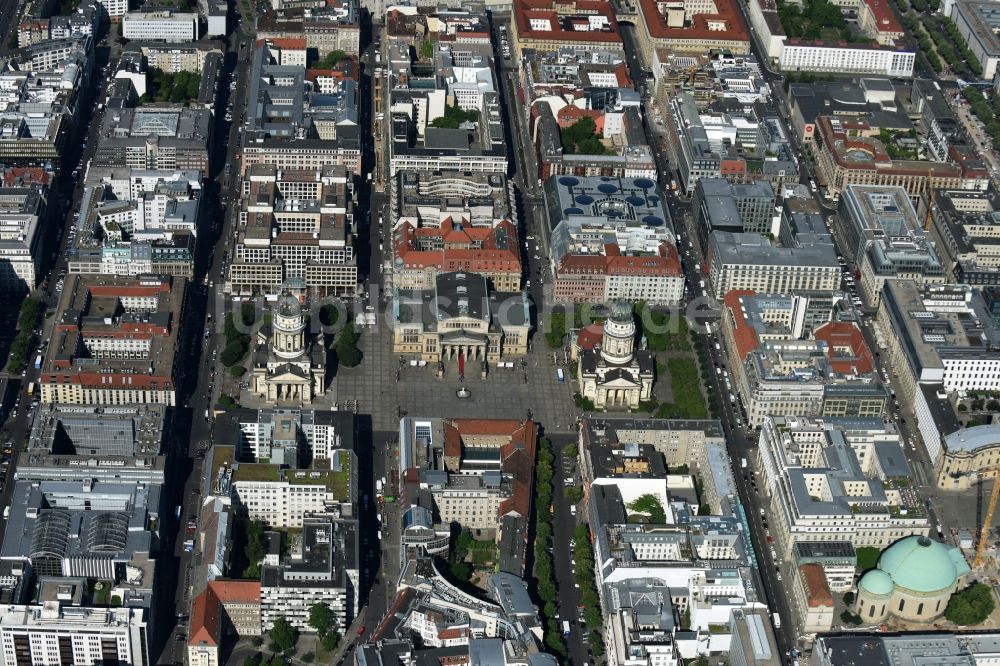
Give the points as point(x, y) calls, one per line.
point(618, 344)
point(289, 337)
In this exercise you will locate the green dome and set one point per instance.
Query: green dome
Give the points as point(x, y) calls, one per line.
point(876, 582)
point(921, 564)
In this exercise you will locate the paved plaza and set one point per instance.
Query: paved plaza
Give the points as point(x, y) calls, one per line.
point(382, 387)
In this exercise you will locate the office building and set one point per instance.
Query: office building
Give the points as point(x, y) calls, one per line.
point(173, 138)
point(106, 443)
point(22, 210)
point(885, 239)
point(161, 25)
point(822, 488)
point(88, 529)
point(53, 633)
point(322, 566)
point(977, 23)
point(549, 26)
point(966, 234)
point(452, 221)
point(295, 233)
point(938, 335)
point(692, 27)
point(840, 141)
point(480, 473)
point(612, 240)
point(751, 261)
point(114, 341)
point(223, 607)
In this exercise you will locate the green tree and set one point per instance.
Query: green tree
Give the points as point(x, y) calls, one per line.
point(248, 314)
point(570, 451)
point(347, 350)
point(233, 353)
point(650, 506)
point(330, 641)
point(331, 59)
point(573, 493)
point(283, 635)
point(329, 314)
point(970, 606)
point(320, 618)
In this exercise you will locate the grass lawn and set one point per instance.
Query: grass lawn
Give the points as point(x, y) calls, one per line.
point(867, 557)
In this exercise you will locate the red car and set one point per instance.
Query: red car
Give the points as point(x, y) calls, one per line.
point(361, 630)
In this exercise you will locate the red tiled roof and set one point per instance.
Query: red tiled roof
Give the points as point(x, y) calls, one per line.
point(844, 335)
point(885, 19)
point(206, 611)
point(589, 336)
point(729, 13)
point(525, 10)
point(744, 336)
point(816, 589)
point(460, 249)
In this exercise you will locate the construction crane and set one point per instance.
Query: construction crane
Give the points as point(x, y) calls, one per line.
point(988, 518)
point(932, 201)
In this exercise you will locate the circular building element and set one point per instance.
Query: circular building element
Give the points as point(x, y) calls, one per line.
point(919, 564)
point(607, 188)
point(644, 183)
point(568, 181)
point(876, 582)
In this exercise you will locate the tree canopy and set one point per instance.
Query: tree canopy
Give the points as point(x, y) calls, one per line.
point(650, 506)
point(581, 138)
point(971, 605)
point(455, 116)
point(283, 634)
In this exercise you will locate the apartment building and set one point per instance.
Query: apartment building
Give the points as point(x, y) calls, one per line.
point(823, 486)
point(480, 473)
point(276, 434)
point(284, 496)
point(52, 633)
point(162, 26)
point(175, 58)
point(22, 210)
point(114, 341)
point(322, 566)
point(295, 233)
point(938, 335)
point(943, 128)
